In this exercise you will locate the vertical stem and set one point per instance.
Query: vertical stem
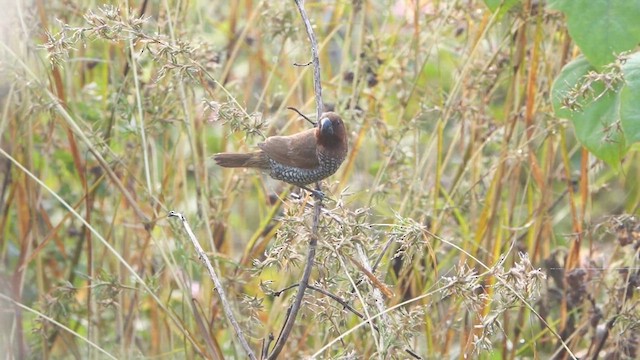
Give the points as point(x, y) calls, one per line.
point(313, 242)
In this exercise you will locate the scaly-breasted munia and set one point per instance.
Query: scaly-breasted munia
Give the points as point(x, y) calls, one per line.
point(300, 159)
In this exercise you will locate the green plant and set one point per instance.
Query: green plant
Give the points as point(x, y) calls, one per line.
point(467, 220)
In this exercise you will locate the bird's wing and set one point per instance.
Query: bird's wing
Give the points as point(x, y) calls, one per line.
point(297, 150)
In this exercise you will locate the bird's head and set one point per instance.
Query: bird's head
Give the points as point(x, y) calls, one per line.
point(331, 133)
point(331, 125)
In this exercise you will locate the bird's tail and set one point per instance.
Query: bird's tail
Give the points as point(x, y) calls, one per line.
point(251, 160)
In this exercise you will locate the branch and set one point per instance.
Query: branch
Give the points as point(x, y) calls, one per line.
point(303, 116)
point(218, 285)
point(313, 242)
point(302, 286)
point(317, 86)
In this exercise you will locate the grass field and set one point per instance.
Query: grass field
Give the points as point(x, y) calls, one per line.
point(466, 219)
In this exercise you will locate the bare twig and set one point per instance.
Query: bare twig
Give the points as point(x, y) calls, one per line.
point(265, 346)
point(303, 115)
point(313, 242)
point(324, 292)
point(339, 301)
point(413, 354)
point(218, 284)
point(278, 293)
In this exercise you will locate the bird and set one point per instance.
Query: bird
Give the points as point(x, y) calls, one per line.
point(299, 159)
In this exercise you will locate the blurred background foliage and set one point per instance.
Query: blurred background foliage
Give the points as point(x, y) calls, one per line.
point(463, 191)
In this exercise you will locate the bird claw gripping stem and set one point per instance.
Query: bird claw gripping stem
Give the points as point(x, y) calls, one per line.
point(318, 194)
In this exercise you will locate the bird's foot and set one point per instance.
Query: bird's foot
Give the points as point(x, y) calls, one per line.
point(316, 193)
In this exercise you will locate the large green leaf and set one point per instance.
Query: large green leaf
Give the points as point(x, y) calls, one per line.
point(596, 117)
point(602, 28)
point(630, 99)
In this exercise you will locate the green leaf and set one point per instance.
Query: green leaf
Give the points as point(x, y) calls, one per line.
point(629, 99)
point(595, 119)
point(602, 28)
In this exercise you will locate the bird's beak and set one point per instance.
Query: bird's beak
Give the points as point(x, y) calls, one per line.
point(326, 127)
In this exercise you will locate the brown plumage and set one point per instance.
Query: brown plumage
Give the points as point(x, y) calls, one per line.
point(299, 159)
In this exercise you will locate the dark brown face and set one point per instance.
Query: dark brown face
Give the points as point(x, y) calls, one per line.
point(331, 126)
point(332, 132)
